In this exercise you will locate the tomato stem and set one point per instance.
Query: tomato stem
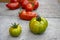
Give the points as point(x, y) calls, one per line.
point(38, 18)
point(33, 4)
point(15, 25)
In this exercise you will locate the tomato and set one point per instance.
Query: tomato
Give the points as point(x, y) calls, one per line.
point(36, 4)
point(24, 3)
point(21, 14)
point(38, 25)
point(29, 7)
point(13, 6)
point(15, 30)
point(31, 15)
point(13, 1)
point(20, 1)
point(27, 15)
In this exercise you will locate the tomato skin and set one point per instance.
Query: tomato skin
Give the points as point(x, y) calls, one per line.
point(13, 1)
point(21, 1)
point(27, 15)
point(36, 5)
point(21, 15)
point(24, 3)
point(29, 7)
point(31, 15)
point(13, 6)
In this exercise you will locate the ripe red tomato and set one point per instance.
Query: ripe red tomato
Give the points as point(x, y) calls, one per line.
point(24, 3)
point(27, 15)
point(29, 7)
point(12, 1)
point(20, 1)
point(13, 6)
point(31, 15)
point(22, 14)
point(36, 4)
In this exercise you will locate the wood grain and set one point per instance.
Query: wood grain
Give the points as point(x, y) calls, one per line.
point(4, 0)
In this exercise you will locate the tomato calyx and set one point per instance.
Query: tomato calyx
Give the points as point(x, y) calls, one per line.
point(38, 18)
point(15, 25)
point(32, 4)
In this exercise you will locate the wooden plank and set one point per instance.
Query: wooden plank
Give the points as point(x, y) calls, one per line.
point(52, 32)
point(4, 0)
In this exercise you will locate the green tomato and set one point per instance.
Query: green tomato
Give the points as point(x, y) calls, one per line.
point(15, 30)
point(38, 25)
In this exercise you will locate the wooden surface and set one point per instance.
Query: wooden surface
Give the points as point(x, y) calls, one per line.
point(4, 0)
point(46, 8)
point(50, 9)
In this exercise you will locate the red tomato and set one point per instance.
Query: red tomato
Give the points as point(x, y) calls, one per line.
point(24, 3)
point(13, 6)
point(36, 4)
point(12, 1)
point(27, 15)
point(29, 7)
point(31, 15)
point(20, 1)
point(22, 14)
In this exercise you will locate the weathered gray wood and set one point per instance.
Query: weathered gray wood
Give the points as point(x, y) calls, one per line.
point(48, 8)
point(52, 32)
